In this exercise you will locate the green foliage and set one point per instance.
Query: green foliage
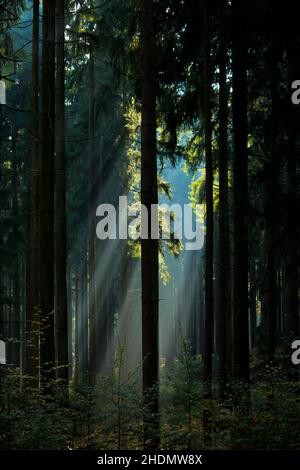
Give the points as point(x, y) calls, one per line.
point(264, 415)
point(107, 416)
point(181, 394)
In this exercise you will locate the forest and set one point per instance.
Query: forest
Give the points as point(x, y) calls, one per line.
point(138, 342)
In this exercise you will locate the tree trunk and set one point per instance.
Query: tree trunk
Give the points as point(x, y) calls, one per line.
point(91, 224)
point(208, 338)
point(150, 288)
point(78, 352)
point(252, 300)
point(15, 318)
point(84, 327)
point(291, 273)
point(270, 214)
point(201, 302)
point(61, 301)
point(209, 239)
point(47, 193)
point(291, 267)
point(240, 244)
point(224, 311)
point(32, 272)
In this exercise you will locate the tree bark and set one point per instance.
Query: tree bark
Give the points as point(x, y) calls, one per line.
point(270, 211)
point(240, 244)
point(208, 338)
point(252, 300)
point(15, 317)
point(47, 193)
point(32, 284)
point(224, 309)
point(150, 289)
point(291, 273)
point(61, 300)
point(91, 224)
point(78, 352)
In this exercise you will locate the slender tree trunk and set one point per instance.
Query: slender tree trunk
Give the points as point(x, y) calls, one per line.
point(78, 352)
point(291, 272)
point(84, 330)
point(240, 244)
point(61, 301)
point(2, 324)
point(224, 311)
point(47, 192)
point(270, 214)
point(103, 326)
point(201, 302)
point(208, 339)
point(23, 274)
point(15, 317)
point(209, 239)
point(252, 300)
point(194, 311)
point(32, 294)
point(91, 224)
point(291, 267)
point(150, 289)
point(70, 297)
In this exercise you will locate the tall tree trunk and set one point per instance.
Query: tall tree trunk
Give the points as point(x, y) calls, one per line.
point(15, 318)
point(240, 244)
point(71, 336)
point(252, 299)
point(201, 302)
point(150, 288)
point(84, 326)
point(78, 352)
point(2, 324)
point(291, 266)
point(102, 325)
point(270, 208)
point(224, 311)
point(91, 224)
point(208, 338)
point(209, 239)
point(47, 192)
point(32, 272)
point(291, 273)
point(61, 300)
